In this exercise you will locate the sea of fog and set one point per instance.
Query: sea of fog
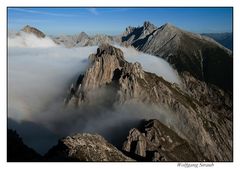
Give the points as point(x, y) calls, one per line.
point(39, 75)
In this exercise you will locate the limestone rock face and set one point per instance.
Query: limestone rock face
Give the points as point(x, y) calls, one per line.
point(216, 114)
point(35, 31)
point(209, 95)
point(85, 147)
point(104, 63)
point(100, 72)
point(205, 124)
point(156, 142)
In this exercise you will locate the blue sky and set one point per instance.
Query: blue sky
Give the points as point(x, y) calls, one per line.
point(56, 21)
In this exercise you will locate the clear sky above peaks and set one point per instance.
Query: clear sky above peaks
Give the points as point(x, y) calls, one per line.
point(113, 21)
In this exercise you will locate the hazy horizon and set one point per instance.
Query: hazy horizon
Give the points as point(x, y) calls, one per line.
point(101, 33)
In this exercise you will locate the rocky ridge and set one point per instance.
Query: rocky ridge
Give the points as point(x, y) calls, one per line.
point(85, 147)
point(201, 56)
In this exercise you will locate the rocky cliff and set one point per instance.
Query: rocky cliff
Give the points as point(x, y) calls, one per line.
point(206, 124)
point(154, 141)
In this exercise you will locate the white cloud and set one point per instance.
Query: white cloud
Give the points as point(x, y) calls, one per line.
point(39, 71)
point(29, 41)
point(152, 64)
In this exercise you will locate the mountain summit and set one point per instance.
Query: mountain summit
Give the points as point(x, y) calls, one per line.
point(132, 34)
point(35, 31)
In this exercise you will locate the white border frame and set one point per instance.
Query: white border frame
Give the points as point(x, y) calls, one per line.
point(112, 3)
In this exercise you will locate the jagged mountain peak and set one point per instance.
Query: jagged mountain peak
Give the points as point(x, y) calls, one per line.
point(26, 27)
point(147, 25)
point(35, 31)
point(128, 30)
point(132, 34)
point(106, 49)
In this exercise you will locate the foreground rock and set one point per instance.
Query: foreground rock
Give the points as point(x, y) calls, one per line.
point(85, 147)
point(17, 151)
point(156, 142)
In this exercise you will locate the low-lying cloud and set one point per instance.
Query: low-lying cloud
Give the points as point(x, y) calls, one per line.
point(29, 40)
point(38, 80)
point(152, 64)
point(37, 76)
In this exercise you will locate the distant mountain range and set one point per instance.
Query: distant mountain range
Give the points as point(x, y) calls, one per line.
point(200, 55)
point(225, 39)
